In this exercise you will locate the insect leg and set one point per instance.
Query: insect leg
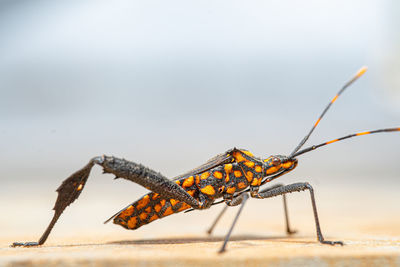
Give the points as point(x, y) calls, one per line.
point(243, 198)
point(297, 187)
point(289, 231)
point(71, 188)
point(211, 229)
point(148, 178)
point(229, 201)
point(68, 192)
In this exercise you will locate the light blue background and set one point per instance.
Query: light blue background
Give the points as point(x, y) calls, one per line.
point(172, 83)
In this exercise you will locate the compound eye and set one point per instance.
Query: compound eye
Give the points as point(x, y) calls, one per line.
point(276, 161)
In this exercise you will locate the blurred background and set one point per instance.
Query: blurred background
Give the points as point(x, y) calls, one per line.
point(172, 83)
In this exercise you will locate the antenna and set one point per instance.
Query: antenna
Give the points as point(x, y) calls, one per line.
point(308, 149)
point(352, 80)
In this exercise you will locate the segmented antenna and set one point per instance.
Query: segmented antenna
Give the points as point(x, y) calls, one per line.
point(352, 80)
point(308, 149)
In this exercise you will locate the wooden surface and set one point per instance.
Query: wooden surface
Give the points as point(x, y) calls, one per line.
point(244, 250)
point(369, 224)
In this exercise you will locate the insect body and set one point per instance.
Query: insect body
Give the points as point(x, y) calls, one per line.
point(232, 176)
point(241, 170)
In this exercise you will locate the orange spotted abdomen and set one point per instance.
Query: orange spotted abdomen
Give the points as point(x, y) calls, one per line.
point(152, 207)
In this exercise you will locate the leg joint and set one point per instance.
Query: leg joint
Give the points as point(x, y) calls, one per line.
point(309, 187)
point(98, 160)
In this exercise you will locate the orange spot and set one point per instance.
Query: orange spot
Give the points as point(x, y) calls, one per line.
point(270, 163)
point(258, 168)
point(178, 182)
point(217, 174)
point(361, 71)
point(168, 211)
point(157, 208)
point(265, 160)
point(132, 222)
point(191, 192)
point(231, 190)
point(334, 99)
point(315, 125)
point(228, 168)
point(241, 185)
point(127, 212)
point(363, 133)
point(248, 153)
point(208, 190)
point(286, 165)
point(333, 141)
point(204, 175)
point(173, 201)
point(249, 176)
point(154, 217)
point(80, 187)
point(188, 182)
point(155, 196)
point(143, 202)
point(272, 170)
point(238, 156)
point(148, 209)
point(197, 179)
point(237, 173)
point(221, 189)
point(255, 181)
point(162, 202)
point(184, 206)
point(143, 216)
point(249, 164)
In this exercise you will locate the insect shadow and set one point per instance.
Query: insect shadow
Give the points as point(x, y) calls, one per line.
point(188, 240)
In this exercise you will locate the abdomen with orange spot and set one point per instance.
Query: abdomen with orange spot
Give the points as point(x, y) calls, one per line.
point(205, 187)
point(152, 207)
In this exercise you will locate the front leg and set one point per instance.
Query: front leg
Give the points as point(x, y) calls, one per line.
point(289, 231)
point(236, 200)
point(297, 187)
point(71, 188)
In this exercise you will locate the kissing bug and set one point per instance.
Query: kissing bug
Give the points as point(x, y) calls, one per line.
point(233, 176)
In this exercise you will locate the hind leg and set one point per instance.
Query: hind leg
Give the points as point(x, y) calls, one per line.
point(71, 188)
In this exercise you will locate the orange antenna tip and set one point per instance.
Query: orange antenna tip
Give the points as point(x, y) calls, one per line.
point(350, 82)
point(332, 141)
point(334, 99)
point(361, 71)
point(363, 133)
